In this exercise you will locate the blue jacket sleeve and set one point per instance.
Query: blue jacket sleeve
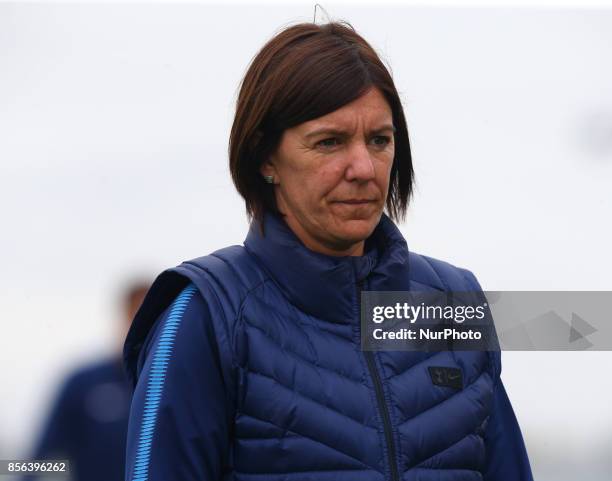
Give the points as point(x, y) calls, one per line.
point(177, 429)
point(506, 458)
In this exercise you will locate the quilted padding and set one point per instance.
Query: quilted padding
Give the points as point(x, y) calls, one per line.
point(306, 404)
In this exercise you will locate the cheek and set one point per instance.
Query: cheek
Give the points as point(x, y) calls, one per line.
point(383, 173)
point(319, 182)
point(331, 184)
point(305, 191)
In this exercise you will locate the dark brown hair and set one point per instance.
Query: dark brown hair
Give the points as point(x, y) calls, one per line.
point(302, 73)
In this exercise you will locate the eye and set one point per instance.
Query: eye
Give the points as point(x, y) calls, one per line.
point(329, 142)
point(384, 138)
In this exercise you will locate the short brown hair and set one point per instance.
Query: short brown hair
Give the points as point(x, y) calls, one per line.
point(302, 73)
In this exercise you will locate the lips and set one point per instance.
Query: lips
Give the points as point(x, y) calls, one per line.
point(355, 201)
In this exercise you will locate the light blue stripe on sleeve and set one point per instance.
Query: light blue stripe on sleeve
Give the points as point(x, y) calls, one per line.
point(155, 383)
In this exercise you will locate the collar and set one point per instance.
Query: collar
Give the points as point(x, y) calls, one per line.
point(327, 286)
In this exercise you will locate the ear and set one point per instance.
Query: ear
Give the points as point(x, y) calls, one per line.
point(267, 167)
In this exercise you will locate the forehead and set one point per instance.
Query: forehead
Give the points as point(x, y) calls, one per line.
point(371, 109)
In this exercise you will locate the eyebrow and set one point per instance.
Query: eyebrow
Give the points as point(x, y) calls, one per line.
point(332, 131)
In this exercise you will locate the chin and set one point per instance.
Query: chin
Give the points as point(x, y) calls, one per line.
point(356, 230)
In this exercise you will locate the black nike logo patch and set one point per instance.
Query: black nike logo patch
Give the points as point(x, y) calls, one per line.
point(446, 376)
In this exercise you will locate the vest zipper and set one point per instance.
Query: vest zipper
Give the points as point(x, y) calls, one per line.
point(380, 399)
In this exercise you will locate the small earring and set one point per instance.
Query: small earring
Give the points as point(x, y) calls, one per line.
point(269, 179)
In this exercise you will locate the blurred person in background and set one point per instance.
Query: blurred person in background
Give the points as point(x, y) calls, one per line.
point(87, 423)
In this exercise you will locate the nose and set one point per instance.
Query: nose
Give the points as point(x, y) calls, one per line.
point(360, 165)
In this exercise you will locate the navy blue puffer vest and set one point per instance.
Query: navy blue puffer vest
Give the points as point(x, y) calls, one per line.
point(306, 402)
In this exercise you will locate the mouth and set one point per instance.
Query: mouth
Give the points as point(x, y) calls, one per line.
point(355, 201)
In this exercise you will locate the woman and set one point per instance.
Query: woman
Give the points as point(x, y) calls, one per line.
point(247, 362)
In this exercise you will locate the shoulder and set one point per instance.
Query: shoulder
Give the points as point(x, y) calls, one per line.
point(187, 310)
point(233, 270)
point(187, 320)
point(172, 305)
point(210, 289)
point(441, 274)
point(183, 332)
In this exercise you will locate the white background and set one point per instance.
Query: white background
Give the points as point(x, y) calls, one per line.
point(114, 122)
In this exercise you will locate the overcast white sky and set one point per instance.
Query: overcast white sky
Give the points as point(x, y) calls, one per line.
point(114, 122)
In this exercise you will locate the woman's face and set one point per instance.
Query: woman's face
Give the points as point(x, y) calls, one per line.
point(331, 175)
